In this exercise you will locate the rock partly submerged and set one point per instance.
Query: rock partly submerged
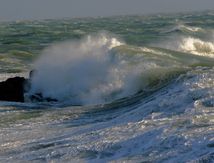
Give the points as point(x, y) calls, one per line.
point(14, 89)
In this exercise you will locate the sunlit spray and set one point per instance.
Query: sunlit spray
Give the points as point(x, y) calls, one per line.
point(81, 71)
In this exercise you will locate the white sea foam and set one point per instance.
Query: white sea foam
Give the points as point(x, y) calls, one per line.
point(181, 130)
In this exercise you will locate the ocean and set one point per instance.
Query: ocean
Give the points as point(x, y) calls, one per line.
point(128, 89)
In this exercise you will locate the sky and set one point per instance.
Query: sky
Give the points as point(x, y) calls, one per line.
point(43, 9)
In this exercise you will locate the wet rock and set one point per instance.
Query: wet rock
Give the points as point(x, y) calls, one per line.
point(13, 89)
point(38, 97)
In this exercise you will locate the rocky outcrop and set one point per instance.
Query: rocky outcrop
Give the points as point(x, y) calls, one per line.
point(13, 89)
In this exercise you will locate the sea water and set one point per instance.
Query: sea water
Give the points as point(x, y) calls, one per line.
point(128, 89)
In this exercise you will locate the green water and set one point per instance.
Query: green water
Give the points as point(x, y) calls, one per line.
point(33, 36)
point(148, 98)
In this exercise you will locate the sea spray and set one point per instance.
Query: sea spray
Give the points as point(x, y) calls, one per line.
point(98, 69)
point(82, 72)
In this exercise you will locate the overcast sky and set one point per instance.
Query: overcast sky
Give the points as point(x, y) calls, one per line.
point(42, 9)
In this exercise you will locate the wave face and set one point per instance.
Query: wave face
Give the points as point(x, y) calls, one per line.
point(129, 89)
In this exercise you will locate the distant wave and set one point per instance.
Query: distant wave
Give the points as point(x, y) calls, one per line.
point(197, 46)
point(202, 46)
point(183, 28)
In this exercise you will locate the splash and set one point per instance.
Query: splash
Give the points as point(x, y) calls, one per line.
point(83, 71)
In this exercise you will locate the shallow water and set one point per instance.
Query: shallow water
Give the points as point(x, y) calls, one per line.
point(143, 90)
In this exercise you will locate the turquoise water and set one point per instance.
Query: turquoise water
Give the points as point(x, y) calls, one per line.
point(129, 89)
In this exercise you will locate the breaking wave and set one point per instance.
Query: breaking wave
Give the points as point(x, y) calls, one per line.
point(183, 28)
point(81, 71)
point(189, 44)
point(101, 69)
point(197, 46)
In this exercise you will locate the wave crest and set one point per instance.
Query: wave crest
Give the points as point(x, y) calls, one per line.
point(197, 46)
point(189, 44)
point(183, 28)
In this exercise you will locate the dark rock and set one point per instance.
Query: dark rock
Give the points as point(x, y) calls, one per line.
point(13, 89)
point(38, 97)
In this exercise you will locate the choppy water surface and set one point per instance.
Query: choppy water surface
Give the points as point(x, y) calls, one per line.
point(129, 89)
